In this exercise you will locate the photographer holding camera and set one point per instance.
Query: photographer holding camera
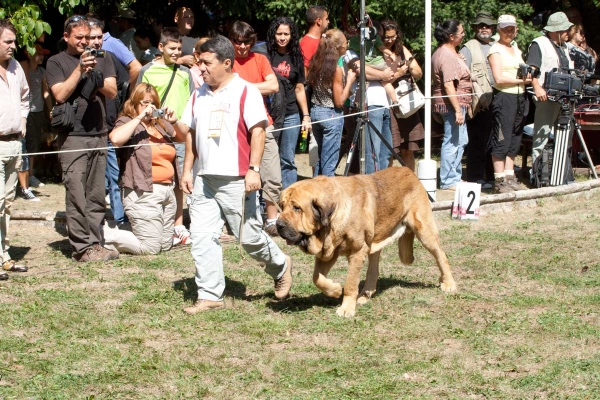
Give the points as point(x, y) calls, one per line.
point(79, 80)
point(545, 53)
point(150, 172)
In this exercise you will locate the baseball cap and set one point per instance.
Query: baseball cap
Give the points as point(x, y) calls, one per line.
point(506, 20)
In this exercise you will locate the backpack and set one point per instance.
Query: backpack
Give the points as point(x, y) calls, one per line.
point(277, 102)
point(542, 167)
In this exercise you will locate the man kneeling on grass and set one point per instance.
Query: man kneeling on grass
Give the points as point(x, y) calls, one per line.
point(227, 120)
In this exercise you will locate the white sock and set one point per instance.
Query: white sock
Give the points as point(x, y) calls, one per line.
point(499, 175)
point(509, 172)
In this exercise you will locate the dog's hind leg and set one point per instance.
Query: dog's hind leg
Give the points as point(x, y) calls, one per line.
point(405, 247)
point(370, 286)
point(355, 263)
point(326, 285)
point(427, 233)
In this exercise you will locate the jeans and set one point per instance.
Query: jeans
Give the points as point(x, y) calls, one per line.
point(215, 199)
point(112, 185)
point(24, 159)
point(288, 138)
point(376, 153)
point(328, 135)
point(453, 146)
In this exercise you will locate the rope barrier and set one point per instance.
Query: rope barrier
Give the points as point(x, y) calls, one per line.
point(43, 153)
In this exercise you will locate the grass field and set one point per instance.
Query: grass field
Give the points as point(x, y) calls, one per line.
point(524, 323)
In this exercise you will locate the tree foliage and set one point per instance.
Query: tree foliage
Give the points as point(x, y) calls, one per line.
point(28, 19)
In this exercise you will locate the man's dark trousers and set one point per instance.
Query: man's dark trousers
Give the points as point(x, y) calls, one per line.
point(83, 177)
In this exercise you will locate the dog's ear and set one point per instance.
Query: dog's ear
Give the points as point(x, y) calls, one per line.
point(322, 211)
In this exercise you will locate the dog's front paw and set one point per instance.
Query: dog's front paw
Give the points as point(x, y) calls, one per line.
point(448, 287)
point(342, 311)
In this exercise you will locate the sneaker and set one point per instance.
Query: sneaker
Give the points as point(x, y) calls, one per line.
point(284, 284)
point(27, 194)
point(485, 185)
point(271, 230)
point(514, 183)
point(181, 235)
point(35, 182)
point(500, 186)
point(3, 276)
point(96, 253)
point(204, 305)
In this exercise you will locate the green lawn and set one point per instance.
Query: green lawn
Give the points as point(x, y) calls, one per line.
point(524, 323)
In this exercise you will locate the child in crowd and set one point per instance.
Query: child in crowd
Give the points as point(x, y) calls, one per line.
point(174, 84)
point(144, 39)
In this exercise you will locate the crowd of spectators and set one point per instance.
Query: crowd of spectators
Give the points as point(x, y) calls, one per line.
point(217, 119)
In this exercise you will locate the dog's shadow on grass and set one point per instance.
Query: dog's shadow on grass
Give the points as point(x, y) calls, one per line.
point(233, 289)
point(299, 304)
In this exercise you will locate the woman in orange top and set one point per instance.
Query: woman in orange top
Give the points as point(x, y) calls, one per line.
point(149, 172)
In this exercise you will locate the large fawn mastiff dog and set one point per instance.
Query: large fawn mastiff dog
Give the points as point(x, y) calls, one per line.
point(356, 217)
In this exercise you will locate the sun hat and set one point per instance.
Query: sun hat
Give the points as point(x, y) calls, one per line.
point(558, 22)
point(484, 17)
point(506, 20)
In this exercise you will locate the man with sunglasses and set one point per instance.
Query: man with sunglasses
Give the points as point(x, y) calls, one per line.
point(479, 128)
point(68, 73)
point(256, 69)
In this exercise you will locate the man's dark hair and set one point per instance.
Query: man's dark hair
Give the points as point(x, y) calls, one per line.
point(75, 21)
point(170, 34)
point(95, 20)
point(6, 24)
point(313, 13)
point(221, 47)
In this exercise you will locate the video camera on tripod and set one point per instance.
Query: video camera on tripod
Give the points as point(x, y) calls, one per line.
point(569, 84)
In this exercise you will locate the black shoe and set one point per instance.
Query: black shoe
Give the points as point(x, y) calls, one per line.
point(3, 276)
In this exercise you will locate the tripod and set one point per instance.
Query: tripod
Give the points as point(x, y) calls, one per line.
point(562, 139)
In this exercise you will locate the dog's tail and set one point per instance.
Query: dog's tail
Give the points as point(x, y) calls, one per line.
point(405, 247)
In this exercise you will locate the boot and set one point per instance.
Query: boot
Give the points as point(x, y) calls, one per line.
point(514, 184)
point(500, 186)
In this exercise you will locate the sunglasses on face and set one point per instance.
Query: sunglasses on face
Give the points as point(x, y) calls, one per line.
point(239, 42)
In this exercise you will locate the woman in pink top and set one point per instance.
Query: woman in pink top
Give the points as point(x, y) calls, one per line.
point(452, 80)
point(196, 74)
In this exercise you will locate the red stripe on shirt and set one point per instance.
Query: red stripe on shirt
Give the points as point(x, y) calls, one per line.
point(243, 137)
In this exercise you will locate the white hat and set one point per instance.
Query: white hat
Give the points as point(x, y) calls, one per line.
point(506, 20)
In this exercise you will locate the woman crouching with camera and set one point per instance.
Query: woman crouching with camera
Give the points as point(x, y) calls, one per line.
point(509, 107)
point(149, 172)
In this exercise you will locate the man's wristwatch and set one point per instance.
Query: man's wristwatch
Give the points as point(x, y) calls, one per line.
point(254, 168)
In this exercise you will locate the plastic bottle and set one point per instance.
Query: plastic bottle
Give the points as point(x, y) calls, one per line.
point(303, 146)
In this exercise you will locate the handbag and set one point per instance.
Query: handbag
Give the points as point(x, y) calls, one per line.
point(63, 117)
point(410, 98)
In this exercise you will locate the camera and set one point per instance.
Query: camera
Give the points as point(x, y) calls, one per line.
point(98, 53)
point(158, 113)
point(569, 83)
point(526, 69)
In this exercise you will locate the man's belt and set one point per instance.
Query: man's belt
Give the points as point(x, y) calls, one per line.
point(10, 137)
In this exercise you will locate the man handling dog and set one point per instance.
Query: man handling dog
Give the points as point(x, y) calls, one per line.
point(227, 121)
